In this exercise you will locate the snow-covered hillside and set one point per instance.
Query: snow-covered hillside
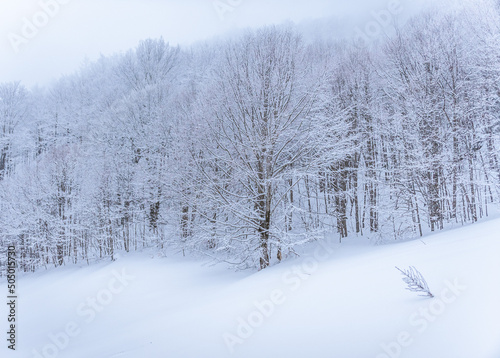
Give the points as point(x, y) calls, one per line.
point(339, 301)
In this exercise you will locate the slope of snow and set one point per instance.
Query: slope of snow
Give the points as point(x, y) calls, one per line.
point(345, 301)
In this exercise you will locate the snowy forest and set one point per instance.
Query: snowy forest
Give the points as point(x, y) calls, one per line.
point(245, 148)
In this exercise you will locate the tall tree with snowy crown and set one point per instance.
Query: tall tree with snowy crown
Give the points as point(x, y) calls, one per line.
point(259, 113)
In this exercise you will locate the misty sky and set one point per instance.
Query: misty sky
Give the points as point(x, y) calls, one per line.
point(38, 45)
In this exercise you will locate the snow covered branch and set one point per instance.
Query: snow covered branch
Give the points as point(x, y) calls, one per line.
point(415, 281)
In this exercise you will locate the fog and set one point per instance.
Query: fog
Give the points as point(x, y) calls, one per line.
point(40, 40)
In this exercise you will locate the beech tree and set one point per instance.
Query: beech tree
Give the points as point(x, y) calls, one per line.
point(13, 110)
point(260, 110)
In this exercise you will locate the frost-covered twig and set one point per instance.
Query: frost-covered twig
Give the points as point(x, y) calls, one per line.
point(415, 281)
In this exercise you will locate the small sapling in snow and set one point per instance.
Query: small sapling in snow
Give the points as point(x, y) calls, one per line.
point(415, 281)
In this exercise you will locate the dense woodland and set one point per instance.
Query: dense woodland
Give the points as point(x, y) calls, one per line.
point(244, 149)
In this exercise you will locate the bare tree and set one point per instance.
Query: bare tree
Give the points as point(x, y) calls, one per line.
point(259, 115)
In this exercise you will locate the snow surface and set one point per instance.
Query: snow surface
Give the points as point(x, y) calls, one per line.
point(338, 301)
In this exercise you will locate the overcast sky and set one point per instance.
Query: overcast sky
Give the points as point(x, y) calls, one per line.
point(41, 42)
